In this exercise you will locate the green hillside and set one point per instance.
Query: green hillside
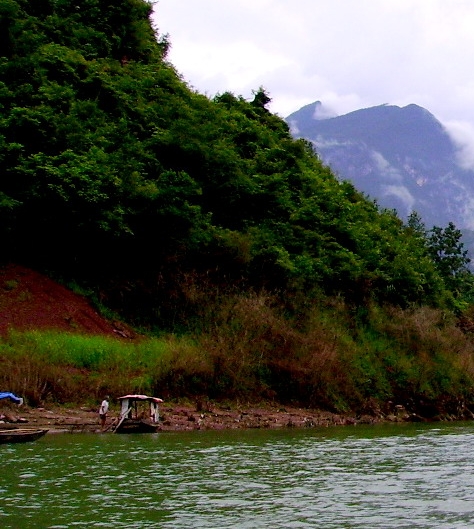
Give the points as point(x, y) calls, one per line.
point(204, 218)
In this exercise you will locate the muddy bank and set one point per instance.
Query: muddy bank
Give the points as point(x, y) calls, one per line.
point(188, 418)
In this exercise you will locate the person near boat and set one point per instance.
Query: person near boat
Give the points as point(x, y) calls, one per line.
point(104, 408)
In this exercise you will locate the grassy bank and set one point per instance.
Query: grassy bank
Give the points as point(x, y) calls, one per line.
point(251, 349)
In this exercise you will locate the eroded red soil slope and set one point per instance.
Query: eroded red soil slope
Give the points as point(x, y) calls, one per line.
point(30, 300)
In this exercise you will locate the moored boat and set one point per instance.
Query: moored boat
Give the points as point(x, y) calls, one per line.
point(138, 414)
point(21, 435)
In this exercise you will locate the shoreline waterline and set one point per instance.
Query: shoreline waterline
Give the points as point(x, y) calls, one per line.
point(191, 418)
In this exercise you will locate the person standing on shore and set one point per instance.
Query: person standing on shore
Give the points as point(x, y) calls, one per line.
point(104, 408)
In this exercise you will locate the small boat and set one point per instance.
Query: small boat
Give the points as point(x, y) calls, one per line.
point(20, 435)
point(138, 414)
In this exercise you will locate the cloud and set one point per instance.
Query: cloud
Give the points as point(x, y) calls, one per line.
point(462, 134)
point(324, 143)
point(403, 194)
point(348, 55)
point(386, 170)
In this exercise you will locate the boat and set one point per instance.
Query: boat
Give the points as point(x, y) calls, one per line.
point(20, 435)
point(138, 414)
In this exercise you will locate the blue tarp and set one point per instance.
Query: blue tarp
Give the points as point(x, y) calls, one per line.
point(11, 396)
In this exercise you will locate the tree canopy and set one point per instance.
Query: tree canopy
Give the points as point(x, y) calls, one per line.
point(117, 173)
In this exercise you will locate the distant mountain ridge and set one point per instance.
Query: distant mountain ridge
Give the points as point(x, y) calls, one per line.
point(402, 157)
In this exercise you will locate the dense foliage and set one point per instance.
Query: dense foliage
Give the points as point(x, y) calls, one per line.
point(117, 174)
point(204, 216)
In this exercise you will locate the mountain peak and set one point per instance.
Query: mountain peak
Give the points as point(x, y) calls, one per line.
point(401, 156)
point(313, 112)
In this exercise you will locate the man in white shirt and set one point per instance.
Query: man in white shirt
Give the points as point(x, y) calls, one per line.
point(104, 408)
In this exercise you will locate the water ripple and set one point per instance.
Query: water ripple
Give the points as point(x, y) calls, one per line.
point(394, 477)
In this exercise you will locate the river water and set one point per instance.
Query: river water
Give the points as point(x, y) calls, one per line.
point(403, 476)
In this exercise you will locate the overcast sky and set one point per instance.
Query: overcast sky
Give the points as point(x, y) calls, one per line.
point(348, 54)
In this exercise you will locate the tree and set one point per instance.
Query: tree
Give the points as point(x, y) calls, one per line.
point(261, 98)
point(416, 225)
point(448, 254)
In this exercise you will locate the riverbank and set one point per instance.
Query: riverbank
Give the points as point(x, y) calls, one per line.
point(181, 417)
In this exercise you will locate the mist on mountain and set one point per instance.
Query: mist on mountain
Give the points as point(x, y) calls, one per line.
point(402, 157)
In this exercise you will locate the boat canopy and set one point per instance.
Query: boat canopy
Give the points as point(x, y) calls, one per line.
point(129, 408)
point(141, 397)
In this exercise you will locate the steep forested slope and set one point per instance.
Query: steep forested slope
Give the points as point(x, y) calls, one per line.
point(118, 175)
point(206, 218)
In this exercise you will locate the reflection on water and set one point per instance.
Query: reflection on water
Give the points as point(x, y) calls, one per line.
point(414, 476)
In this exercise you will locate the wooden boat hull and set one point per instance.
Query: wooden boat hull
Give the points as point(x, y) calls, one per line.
point(136, 426)
point(20, 435)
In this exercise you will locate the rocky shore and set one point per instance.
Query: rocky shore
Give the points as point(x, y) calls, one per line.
point(178, 418)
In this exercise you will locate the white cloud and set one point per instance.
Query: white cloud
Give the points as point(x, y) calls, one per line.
point(462, 134)
point(403, 194)
point(386, 170)
point(324, 143)
point(348, 55)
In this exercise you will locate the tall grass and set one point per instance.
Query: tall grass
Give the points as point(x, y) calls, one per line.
point(60, 367)
point(252, 349)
